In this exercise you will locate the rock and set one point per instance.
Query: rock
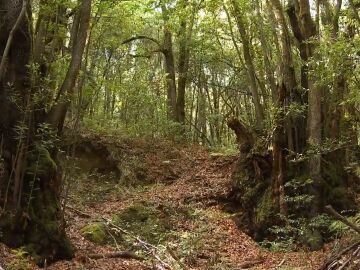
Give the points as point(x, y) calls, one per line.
point(95, 232)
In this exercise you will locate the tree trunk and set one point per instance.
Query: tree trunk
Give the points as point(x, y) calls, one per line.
point(32, 217)
point(57, 114)
point(267, 54)
point(167, 49)
point(308, 29)
point(249, 65)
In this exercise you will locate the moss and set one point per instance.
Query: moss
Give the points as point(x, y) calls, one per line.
point(40, 162)
point(34, 250)
point(264, 209)
point(95, 232)
point(133, 172)
point(313, 239)
point(128, 177)
point(144, 221)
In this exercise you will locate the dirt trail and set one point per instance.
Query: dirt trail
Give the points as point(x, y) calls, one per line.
point(196, 180)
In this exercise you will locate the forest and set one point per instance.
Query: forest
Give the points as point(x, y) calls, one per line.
point(180, 134)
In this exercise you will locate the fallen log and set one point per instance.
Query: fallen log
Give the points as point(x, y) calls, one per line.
point(120, 254)
point(341, 218)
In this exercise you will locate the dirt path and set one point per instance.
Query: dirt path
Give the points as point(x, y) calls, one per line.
point(209, 236)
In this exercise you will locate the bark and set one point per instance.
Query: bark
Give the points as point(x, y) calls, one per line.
point(292, 12)
point(15, 27)
point(315, 96)
point(279, 154)
point(170, 74)
point(183, 62)
point(32, 217)
point(244, 138)
point(266, 52)
point(167, 49)
point(201, 117)
point(57, 114)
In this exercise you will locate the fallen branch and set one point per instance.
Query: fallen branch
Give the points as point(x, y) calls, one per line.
point(338, 255)
point(80, 213)
point(121, 254)
point(249, 264)
point(147, 246)
point(176, 258)
point(341, 218)
point(356, 253)
point(281, 263)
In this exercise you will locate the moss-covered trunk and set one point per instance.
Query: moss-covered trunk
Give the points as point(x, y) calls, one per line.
point(29, 178)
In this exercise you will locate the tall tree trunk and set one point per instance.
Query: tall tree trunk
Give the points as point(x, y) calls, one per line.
point(183, 66)
point(167, 49)
point(315, 96)
point(249, 65)
point(32, 217)
point(57, 114)
point(185, 36)
point(266, 52)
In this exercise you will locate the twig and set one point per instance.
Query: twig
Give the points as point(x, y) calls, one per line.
point(337, 256)
point(149, 247)
point(281, 263)
point(176, 258)
point(113, 237)
point(355, 253)
point(78, 212)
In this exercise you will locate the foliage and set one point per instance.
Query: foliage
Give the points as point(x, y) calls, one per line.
point(20, 262)
point(340, 229)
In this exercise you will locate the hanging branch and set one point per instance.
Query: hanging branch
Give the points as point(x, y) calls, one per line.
point(142, 37)
point(11, 37)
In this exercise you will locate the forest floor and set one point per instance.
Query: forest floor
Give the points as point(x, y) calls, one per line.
point(184, 184)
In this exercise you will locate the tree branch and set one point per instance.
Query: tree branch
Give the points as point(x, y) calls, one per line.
point(142, 37)
point(11, 36)
point(341, 218)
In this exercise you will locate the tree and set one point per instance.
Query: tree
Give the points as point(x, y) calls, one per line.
point(31, 180)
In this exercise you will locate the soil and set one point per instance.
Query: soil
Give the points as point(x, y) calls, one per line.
point(190, 181)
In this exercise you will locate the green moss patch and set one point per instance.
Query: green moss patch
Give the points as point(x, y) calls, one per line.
point(96, 233)
point(264, 209)
point(40, 162)
point(144, 221)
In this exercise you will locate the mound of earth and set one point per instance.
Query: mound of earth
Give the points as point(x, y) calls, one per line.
point(173, 220)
